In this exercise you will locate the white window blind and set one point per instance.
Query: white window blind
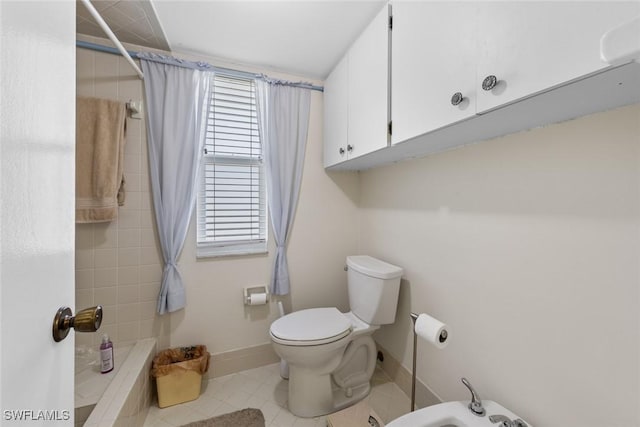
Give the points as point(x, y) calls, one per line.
point(232, 200)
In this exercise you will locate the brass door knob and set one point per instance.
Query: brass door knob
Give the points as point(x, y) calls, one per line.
point(87, 320)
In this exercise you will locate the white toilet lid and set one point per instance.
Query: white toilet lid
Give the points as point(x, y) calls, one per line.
point(313, 326)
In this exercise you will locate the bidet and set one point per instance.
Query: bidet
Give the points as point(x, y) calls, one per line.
point(457, 414)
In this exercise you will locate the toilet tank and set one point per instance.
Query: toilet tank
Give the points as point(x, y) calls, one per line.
point(373, 289)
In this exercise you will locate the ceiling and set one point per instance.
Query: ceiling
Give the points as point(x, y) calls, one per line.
point(300, 37)
point(131, 21)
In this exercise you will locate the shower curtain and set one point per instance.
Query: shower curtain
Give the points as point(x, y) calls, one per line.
point(177, 110)
point(283, 121)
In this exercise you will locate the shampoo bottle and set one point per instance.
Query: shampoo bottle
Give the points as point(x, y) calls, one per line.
point(106, 355)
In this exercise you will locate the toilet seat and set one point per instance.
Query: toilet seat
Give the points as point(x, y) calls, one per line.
point(313, 326)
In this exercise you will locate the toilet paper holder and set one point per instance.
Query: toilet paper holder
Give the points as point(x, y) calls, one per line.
point(256, 295)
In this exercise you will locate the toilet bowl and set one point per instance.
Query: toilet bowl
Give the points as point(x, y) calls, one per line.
point(332, 355)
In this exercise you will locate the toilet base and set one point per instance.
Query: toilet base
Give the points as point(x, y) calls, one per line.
point(309, 393)
point(341, 401)
point(312, 395)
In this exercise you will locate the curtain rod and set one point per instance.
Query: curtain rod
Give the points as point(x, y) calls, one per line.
point(92, 10)
point(134, 54)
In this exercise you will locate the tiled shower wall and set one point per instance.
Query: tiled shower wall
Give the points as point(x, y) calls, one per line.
point(118, 263)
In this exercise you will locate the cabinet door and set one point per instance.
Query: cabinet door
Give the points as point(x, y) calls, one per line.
point(532, 46)
point(433, 57)
point(336, 117)
point(369, 88)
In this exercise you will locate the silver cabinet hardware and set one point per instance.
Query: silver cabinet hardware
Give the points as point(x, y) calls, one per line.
point(457, 98)
point(489, 82)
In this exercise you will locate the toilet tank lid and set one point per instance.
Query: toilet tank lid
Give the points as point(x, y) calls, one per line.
point(373, 267)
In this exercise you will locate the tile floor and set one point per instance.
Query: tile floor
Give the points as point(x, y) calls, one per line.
point(264, 389)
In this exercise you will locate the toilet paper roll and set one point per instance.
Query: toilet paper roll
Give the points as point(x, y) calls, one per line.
point(433, 331)
point(257, 299)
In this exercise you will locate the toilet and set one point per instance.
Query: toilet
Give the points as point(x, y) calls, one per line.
point(331, 355)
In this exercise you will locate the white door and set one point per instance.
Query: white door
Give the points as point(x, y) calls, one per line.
point(37, 173)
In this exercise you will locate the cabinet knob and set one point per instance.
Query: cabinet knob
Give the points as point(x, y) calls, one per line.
point(489, 82)
point(349, 147)
point(341, 151)
point(457, 98)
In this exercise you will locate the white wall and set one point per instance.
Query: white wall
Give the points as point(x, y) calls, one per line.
point(119, 264)
point(528, 246)
point(323, 235)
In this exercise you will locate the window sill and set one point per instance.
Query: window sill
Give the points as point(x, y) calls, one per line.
point(206, 251)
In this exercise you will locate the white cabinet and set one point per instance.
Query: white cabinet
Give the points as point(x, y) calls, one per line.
point(442, 48)
point(544, 58)
point(336, 117)
point(433, 58)
point(369, 88)
point(534, 46)
point(356, 96)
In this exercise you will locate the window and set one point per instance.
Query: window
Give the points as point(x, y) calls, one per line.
point(232, 201)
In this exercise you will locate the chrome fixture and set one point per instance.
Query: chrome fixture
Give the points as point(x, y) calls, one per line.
point(414, 317)
point(475, 406)
point(489, 82)
point(457, 98)
point(506, 422)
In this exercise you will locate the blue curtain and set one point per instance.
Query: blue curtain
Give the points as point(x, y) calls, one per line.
point(283, 120)
point(177, 106)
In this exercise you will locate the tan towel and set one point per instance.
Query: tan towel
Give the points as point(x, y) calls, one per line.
point(100, 138)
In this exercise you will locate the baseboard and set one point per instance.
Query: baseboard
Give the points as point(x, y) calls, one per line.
point(402, 377)
point(242, 359)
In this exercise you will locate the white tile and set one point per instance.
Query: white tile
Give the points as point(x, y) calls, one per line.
point(179, 415)
point(105, 296)
point(128, 295)
point(132, 164)
point(237, 391)
point(270, 410)
point(237, 398)
point(105, 277)
point(128, 218)
point(84, 279)
point(129, 275)
point(284, 419)
point(84, 298)
point(105, 235)
point(85, 259)
point(105, 258)
point(129, 238)
point(149, 291)
point(128, 257)
point(132, 184)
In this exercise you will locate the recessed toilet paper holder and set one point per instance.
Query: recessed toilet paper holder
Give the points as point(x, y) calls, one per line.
point(256, 295)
